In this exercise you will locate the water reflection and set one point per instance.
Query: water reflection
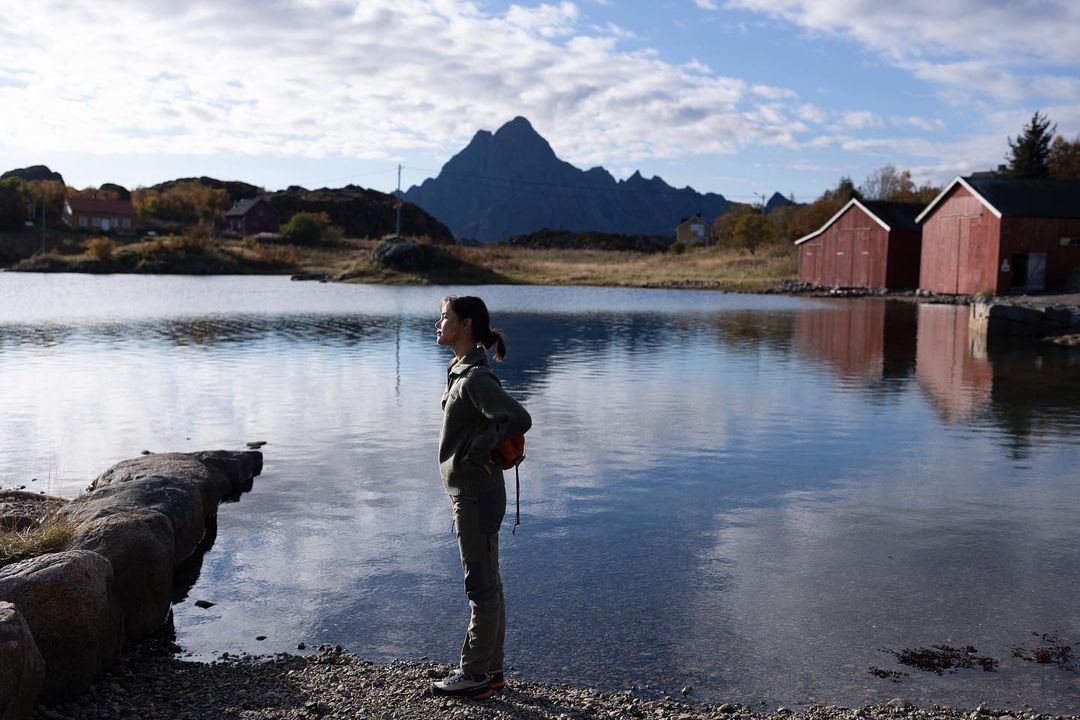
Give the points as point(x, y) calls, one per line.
point(749, 495)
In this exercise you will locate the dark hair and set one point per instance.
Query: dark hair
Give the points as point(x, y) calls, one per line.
point(473, 308)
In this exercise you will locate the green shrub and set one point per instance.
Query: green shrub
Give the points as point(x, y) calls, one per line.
point(677, 248)
point(305, 228)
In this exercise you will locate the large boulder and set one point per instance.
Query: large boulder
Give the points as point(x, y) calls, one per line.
point(138, 543)
point(182, 502)
point(404, 256)
point(239, 467)
point(20, 510)
point(178, 467)
point(68, 603)
point(23, 667)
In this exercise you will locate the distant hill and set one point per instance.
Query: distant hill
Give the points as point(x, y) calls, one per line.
point(778, 201)
point(358, 211)
point(512, 183)
point(34, 172)
point(237, 190)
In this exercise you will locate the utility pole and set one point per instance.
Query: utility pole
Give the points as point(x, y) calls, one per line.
point(397, 230)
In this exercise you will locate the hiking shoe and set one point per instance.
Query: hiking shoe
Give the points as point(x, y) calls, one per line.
point(463, 685)
point(496, 680)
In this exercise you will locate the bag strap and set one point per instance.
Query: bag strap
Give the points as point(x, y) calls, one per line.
point(517, 497)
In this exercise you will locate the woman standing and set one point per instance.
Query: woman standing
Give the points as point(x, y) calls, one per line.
point(478, 415)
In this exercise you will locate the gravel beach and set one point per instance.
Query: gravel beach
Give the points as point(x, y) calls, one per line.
point(151, 681)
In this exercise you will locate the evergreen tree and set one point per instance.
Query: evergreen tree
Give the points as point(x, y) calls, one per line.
point(1030, 151)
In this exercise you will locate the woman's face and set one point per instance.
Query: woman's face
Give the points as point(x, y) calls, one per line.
point(449, 329)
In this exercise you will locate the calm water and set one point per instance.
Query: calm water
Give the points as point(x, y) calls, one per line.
point(756, 496)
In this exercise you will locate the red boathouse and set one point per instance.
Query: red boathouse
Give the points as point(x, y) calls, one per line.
point(995, 234)
point(872, 244)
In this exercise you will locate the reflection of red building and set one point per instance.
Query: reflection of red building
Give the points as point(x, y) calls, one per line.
point(957, 381)
point(866, 245)
point(849, 336)
point(867, 338)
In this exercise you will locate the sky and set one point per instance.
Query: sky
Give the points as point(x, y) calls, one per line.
point(739, 97)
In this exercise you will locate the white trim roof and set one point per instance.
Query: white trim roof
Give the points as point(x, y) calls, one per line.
point(841, 211)
point(948, 188)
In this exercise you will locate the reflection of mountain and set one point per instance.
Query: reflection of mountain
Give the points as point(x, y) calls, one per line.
point(866, 340)
point(956, 382)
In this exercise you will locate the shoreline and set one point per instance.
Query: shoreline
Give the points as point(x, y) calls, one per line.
point(151, 680)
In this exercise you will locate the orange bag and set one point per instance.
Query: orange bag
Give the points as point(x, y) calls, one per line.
point(510, 453)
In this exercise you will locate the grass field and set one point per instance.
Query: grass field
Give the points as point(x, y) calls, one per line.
point(349, 260)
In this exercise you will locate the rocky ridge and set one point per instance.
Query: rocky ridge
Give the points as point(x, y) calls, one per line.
point(72, 605)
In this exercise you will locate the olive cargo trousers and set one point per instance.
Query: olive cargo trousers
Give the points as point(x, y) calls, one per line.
point(477, 519)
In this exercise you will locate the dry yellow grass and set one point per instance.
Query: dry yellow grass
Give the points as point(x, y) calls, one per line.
point(49, 535)
point(699, 267)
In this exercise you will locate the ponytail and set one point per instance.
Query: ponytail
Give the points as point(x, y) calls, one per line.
point(473, 308)
point(497, 339)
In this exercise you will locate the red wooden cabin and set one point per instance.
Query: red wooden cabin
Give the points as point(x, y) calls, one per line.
point(251, 216)
point(872, 244)
point(994, 234)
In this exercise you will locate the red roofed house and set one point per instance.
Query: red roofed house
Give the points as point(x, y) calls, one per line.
point(872, 244)
point(99, 215)
point(994, 234)
point(251, 216)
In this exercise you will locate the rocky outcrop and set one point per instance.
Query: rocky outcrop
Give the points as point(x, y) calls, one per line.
point(140, 520)
point(1007, 321)
point(34, 172)
point(138, 543)
point(181, 487)
point(75, 619)
point(239, 468)
point(405, 256)
point(23, 667)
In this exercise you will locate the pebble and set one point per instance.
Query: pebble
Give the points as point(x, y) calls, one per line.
point(151, 681)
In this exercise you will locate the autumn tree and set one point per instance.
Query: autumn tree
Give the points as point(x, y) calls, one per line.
point(752, 230)
point(1063, 160)
point(146, 201)
point(887, 183)
point(188, 202)
point(14, 203)
point(1028, 154)
point(724, 225)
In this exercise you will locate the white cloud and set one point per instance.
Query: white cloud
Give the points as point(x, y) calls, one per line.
point(858, 119)
point(920, 123)
point(1004, 50)
point(356, 79)
point(707, 4)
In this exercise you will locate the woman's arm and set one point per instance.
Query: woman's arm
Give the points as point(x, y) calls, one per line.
point(508, 418)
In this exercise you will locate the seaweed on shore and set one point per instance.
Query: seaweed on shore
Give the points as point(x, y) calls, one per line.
point(893, 675)
point(1055, 652)
point(943, 658)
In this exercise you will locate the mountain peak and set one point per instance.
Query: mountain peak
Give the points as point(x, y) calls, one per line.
point(511, 182)
point(519, 131)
